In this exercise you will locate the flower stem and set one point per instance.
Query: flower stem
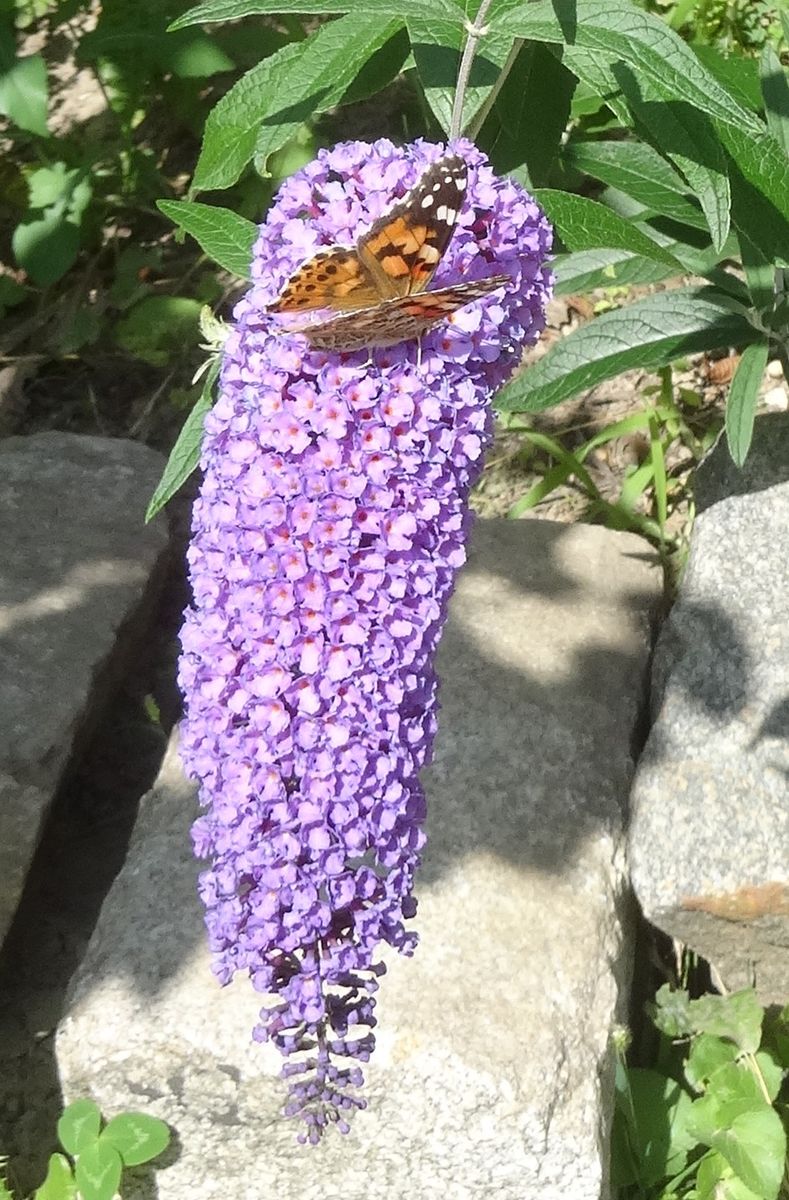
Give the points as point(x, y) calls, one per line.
point(480, 117)
point(474, 30)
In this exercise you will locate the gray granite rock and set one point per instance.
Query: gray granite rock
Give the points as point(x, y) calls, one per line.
point(767, 464)
point(709, 838)
point(76, 568)
point(493, 1074)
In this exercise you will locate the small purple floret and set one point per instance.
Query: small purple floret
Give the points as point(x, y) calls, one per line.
point(330, 525)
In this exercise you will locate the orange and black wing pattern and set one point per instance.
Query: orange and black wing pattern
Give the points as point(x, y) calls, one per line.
point(403, 248)
point(378, 288)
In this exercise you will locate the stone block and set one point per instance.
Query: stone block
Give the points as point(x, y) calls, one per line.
point(76, 568)
point(709, 838)
point(493, 1071)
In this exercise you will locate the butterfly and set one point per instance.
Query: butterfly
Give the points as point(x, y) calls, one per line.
point(376, 290)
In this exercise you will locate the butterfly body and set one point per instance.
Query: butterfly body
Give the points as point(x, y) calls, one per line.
point(376, 291)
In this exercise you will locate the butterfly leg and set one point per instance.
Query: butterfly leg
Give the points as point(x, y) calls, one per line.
point(418, 354)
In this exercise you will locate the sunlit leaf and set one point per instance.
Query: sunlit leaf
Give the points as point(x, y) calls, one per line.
point(59, 1183)
point(23, 85)
point(185, 454)
point(225, 236)
point(98, 1172)
point(647, 334)
point(78, 1126)
point(233, 10)
point(586, 224)
point(46, 247)
point(137, 1137)
point(742, 400)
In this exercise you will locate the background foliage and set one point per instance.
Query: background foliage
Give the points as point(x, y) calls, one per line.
point(660, 154)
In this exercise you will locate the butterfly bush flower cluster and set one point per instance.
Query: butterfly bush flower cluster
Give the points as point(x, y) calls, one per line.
point(331, 523)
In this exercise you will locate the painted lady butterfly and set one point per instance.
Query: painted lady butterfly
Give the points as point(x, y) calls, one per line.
point(379, 287)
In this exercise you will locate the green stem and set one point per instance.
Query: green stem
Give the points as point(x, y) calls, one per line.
point(474, 30)
point(479, 120)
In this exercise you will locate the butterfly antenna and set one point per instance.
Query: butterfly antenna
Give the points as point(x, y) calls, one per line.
point(475, 30)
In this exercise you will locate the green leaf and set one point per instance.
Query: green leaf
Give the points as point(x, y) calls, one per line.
point(775, 1036)
point(656, 1111)
point(739, 1015)
point(159, 327)
point(47, 185)
point(328, 68)
point(715, 1181)
point(658, 465)
point(232, 125)
point(658, 57)
point(594, 71)
point(137, 45)
point(137, 1137)
point(760, 274)
point(707, 1055)
point(23, 86)
point(588, 269)
point(567, 464)
point(185, 454)
point(194, 57)
point(98, 1172)
point(79, 1126)
point(635, 484)
point(771, 1071)
point(754, 1145)
point(46, 247)
point(131, 268)
point(510, 134)
point(225, 237)
point(671, 1012)
point(59, 1183)
point(544, 486)
point(635, 168)
point(383, 65)
point(233, 10)
point(647, 334)
point(436, 44)
point(762, 161)
point(587, 225)
point(739, 75)
point(742, 400)
point(775, 91)
point(734, 1088)
point(689, 139)
point(619, 29)
point(269, 104)
point(755, 217)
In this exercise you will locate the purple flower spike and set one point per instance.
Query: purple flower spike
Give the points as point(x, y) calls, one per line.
point(330, 525)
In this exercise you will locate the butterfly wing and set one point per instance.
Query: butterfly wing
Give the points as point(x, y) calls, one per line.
point(403, 247)
point(396, 257)
point(332, 278)
point(398, 319)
